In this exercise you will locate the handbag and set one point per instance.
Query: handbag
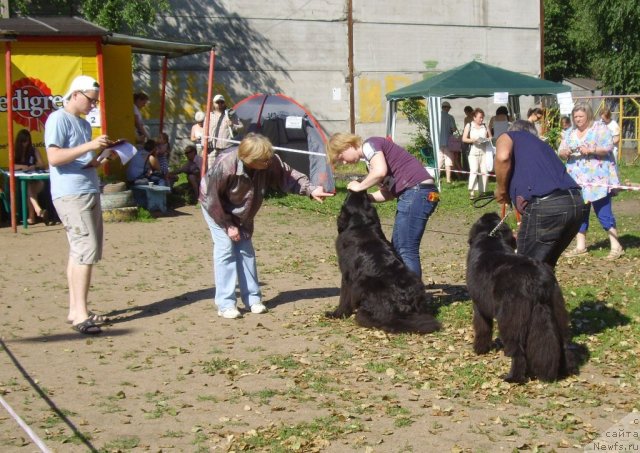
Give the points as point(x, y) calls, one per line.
point(454, 143)
point(489, 156)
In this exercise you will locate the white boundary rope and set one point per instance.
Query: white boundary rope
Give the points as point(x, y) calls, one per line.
point(618, 187)
point(25, 427)
point(277, 148)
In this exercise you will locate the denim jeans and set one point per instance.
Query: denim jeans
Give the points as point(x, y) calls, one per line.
point(414, 209)
point(549, 224)
point(233, 261)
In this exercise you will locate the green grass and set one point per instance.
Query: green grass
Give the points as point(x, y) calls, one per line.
point(226, 366)
point(630, 173)
point(144, 216)
point(123, 443)
point(286, 362)
point(305, 436)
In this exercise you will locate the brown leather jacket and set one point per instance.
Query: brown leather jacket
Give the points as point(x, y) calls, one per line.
point(232, 194)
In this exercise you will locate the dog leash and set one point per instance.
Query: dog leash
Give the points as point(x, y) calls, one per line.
point(493, 232)
point(482, 201)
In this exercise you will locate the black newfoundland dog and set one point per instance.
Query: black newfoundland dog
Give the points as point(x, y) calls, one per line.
point(376, 284)
point(524, 297)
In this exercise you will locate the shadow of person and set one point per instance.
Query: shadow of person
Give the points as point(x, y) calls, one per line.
point(286, 297)
point(591, 317)
point(72, 336)
point(444, 295)
point(159, 307)
point(628, 241)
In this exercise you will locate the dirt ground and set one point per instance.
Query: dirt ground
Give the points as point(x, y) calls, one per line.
point(168, 374)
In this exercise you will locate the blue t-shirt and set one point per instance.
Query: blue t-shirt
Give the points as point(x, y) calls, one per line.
point(137, 166)
point(537, 170)
point(403, 170)
point(65, 130)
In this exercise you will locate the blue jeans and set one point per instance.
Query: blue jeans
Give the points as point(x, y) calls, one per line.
point(549, 224)
point(414, 209)
point(233, 261)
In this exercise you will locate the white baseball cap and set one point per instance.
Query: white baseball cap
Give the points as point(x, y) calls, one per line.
point(82, 83)
point(199, 116)
point(218, 97)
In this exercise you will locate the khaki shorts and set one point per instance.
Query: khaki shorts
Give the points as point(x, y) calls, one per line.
point(81, 216)
point(445, 155)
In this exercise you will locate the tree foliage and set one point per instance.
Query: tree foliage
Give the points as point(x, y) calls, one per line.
point(591, 38)
point(136, 16)
point(617, 53)
point(557, 52)
point(416, 112)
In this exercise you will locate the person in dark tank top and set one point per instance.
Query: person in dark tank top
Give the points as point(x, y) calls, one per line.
point(531, 176)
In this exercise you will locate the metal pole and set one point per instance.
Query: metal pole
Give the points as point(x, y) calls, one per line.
point(104, 125)
point(542, 39)
point(10, 147)
point(205, 136)
point(163, 93)
point(350, 77)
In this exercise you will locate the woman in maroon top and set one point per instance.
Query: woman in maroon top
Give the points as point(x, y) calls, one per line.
point(398, 175)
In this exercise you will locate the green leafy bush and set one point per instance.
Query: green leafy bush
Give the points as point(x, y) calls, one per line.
point(416, 112)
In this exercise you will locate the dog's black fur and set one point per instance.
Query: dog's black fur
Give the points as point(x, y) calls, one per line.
point(524, 297)
point(376, 284)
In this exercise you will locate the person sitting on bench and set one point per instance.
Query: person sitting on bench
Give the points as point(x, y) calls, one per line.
point(191, 168)
point(144, 167)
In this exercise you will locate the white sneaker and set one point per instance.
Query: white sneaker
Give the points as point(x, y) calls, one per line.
point(258, 308)
point(229, 313)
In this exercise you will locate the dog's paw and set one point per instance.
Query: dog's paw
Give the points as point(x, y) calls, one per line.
point(482, 348)
point(514, 379)
point(335, 314)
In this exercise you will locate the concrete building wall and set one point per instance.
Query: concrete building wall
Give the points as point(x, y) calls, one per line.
point(301, 48)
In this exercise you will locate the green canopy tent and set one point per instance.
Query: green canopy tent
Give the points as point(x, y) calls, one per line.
point(473, 79)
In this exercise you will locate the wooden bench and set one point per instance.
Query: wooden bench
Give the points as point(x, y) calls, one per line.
point(152, 198)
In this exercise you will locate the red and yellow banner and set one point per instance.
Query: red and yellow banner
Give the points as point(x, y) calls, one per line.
point(41, 73)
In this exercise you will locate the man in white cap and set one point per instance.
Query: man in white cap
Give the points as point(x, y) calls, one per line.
point(223, 125)
point(447, 128)
point(75, 190)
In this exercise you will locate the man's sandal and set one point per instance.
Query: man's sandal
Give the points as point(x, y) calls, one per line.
point(95, 318)
point(87, 327)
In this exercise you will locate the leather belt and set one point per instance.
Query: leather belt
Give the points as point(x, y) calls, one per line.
point(557, 193)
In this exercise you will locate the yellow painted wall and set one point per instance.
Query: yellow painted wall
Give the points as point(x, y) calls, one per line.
point(118, 99)
point(371, 92)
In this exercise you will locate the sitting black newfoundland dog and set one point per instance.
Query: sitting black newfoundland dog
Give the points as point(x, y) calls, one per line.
point(376, 284)
point(524, 297)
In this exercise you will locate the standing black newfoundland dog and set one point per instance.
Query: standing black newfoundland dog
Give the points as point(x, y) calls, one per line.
point(524, 297)
point(376, 284)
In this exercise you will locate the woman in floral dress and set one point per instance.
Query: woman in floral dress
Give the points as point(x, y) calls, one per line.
point(587, 148)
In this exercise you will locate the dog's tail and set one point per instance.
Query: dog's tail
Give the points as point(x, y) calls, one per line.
point(545, 349)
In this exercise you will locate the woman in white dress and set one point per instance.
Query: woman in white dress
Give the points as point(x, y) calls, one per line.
point(197, 131)
point(477, 134)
